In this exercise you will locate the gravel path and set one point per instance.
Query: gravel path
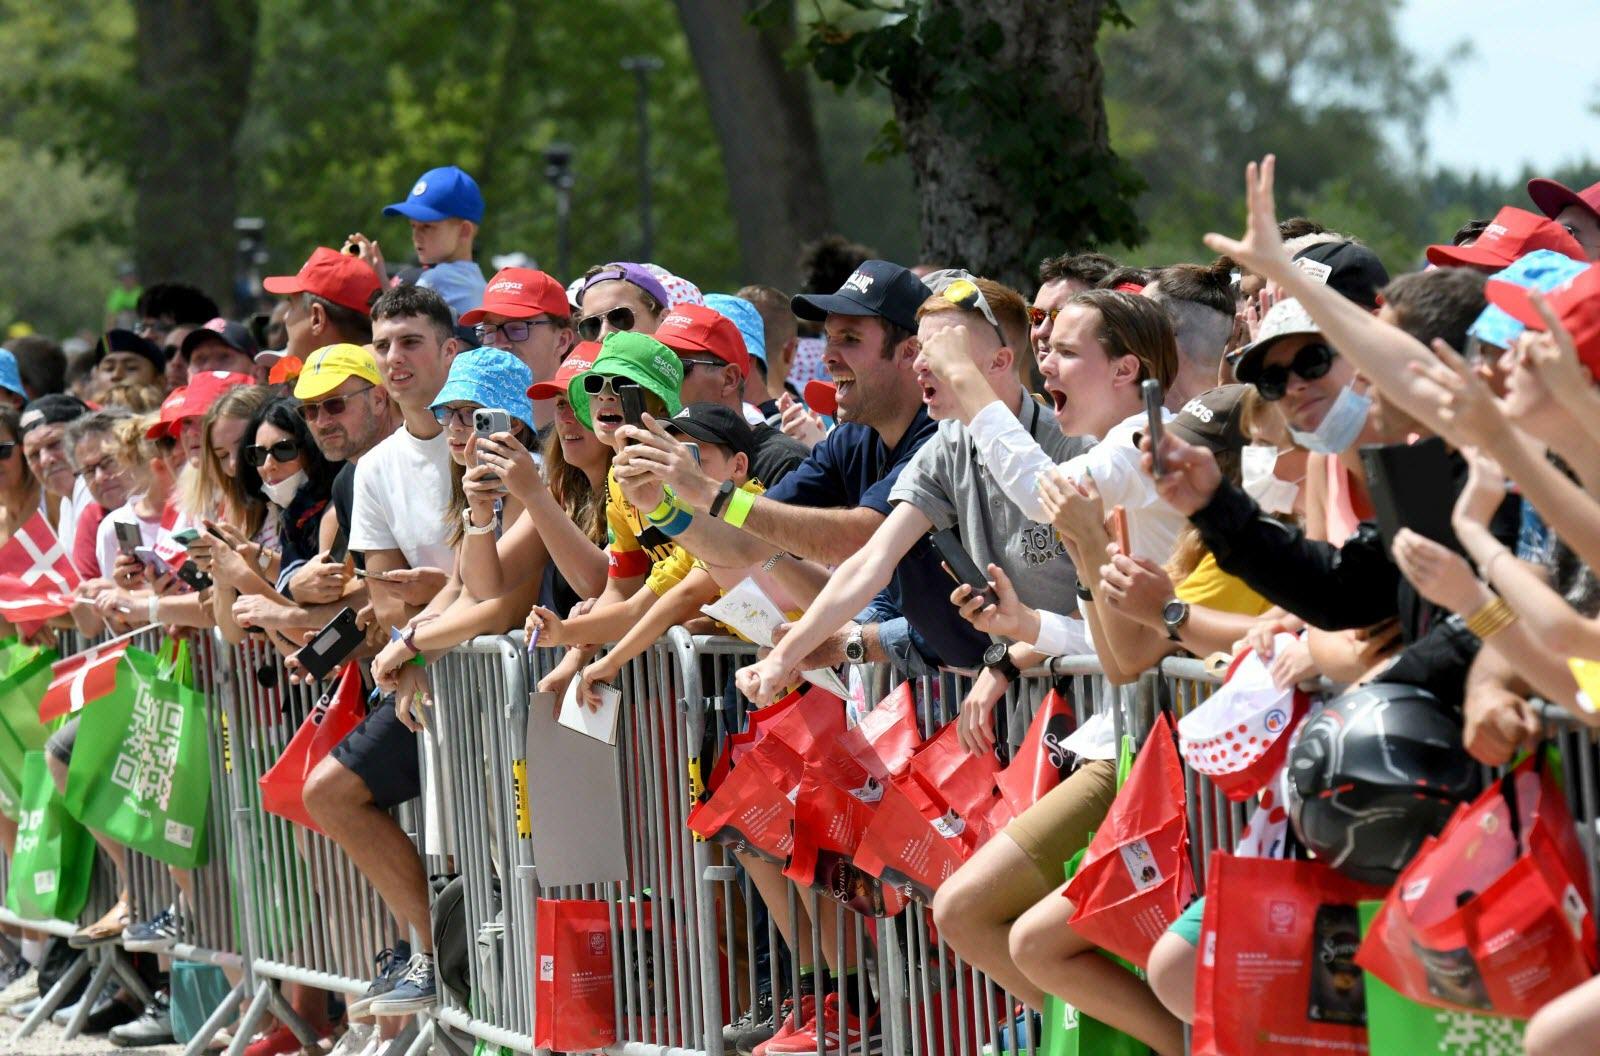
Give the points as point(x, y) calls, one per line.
point(47, 1041)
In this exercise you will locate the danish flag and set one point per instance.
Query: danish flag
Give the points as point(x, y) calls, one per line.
point(35, 574)
point(80, 679)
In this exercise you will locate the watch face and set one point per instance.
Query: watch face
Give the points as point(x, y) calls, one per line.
point(1174, 611)
point(994, 654)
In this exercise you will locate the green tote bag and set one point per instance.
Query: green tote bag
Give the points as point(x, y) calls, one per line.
point(24, 674)
point(140, 772)
point(54, 857)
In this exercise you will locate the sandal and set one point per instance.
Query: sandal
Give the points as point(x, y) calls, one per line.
point(107, 929)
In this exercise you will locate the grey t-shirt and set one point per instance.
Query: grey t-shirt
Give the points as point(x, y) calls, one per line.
point(949, 484)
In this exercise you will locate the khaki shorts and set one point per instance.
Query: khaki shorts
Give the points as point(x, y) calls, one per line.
point(1054, 829)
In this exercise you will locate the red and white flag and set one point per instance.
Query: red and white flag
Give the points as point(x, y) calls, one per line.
point(36, 575)
point(80, 679)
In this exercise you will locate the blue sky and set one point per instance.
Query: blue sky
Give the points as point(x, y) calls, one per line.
point(1524, 96)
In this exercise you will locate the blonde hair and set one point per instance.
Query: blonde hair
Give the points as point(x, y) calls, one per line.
point(208, 491)
point(133, 450)
point(1010, 310)
point(138, 398)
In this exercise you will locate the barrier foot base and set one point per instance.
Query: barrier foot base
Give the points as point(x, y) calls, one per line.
point(422, 1044)
point(288, 1017)
point(214, 1022)
point(252, 1018)
point(53, 998)
point(130, 978)
point(91, 993)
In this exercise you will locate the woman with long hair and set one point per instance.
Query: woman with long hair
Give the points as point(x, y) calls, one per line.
point(215, 490)
point(19, 489)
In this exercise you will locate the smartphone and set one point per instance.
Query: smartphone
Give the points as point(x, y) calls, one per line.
point(186, 537)
point(632, 397)
point(153, 559)
point(332, 645)
point(1119, 528)
point(128, 537)
point(1413, 486)
point(694, 451)
point(190, 573)
point(960, 563)
point(381, 577)
point(1155, 427)
point(340, 547)
point(486, 421)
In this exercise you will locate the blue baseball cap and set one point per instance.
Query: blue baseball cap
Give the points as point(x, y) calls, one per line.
point(10, 376)
point(746, 318)
point(440, 194)
point(489, 377)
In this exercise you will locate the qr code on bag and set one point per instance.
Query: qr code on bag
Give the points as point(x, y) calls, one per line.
point(149, 754)
point(1468, 1035)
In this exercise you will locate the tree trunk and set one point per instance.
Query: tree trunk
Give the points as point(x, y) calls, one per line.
point(762, 115)
point(981, 195)
point(194, 64)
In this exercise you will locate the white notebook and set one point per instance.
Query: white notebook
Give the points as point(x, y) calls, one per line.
point(601, 724)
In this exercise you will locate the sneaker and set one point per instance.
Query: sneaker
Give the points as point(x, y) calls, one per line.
point(19, 987)
point(156, 935)
point(850, 1036)
point(790, 1025)
point(391, 967)
point(355, 1040)
point(277, 1042)
point(757, 1016)
point(24, 1008)
point(415, 992)
point(107, 1014)
point(152, 1028)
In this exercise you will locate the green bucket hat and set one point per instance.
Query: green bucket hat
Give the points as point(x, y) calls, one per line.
point(637, 357)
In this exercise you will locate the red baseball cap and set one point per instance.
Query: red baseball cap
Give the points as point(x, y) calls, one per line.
point(1575, 302)
point(578, 361)
point(1551, 197)
point(342, 278)
point(194, 399)
point(1512, 233)
point(520, 293)
point(696, 328)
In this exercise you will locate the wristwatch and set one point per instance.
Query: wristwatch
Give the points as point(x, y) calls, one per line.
point(997, 658)
point(855, 646)
point(1174, 614)
point(724, 493)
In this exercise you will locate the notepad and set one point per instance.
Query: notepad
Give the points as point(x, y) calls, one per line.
point(600, 724)
point(748, 610)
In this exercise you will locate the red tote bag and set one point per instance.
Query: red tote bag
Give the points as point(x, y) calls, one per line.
point(1136, 877)
point(325, 726)
point(1276, 974)
point(1493, 914)
point(574, 997)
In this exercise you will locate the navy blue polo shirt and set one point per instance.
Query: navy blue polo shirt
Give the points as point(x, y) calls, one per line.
point(854, 467)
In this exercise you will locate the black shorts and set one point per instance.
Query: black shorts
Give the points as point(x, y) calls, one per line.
point(60, 743)
point(383, 754)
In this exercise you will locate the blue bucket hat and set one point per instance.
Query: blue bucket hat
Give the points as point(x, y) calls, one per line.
point(745, 316)
point(1542, 270)
point(440, 194)
point(10, 376)
point(489, 377)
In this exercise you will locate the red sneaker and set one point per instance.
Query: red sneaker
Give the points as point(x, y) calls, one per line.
point(802, 1022)
point(851, 1036)
point(273, 1043)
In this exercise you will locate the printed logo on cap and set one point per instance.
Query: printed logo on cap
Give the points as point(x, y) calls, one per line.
point(420, 189)
point(682, 414)
point(504, 284)
point(677, 319)
point(663, 363)
point(1315, 268)
point(1496, 231)
point(1198, 410)
point(858, 282)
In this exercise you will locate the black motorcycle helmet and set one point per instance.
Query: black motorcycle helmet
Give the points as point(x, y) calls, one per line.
point(1373, 773)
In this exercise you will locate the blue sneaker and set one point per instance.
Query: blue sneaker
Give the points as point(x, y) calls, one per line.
point(156, 935)
point(391, 967)
point(416, 991)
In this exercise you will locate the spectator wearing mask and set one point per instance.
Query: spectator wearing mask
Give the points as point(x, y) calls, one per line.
point(716, 365)
point(401, 486)
point(620, 297)
point(525, 312)
point(828, 507)
point(42, 429)
point(122, 357)
point(1576, 211)
point(445, 208)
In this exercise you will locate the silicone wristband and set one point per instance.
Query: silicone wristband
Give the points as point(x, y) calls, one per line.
point(676, 525)
point(663, 512)
point(740, 503)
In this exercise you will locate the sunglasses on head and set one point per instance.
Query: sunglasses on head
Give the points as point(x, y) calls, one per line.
point(282, 451)
point(607, 384)
point(515, 330)
point(620, 318)
point(333, 406)
point(1310, 363)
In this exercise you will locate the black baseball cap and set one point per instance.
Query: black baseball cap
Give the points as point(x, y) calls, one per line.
point(235, 335)
point(1349, 267)
point(50, 409)
point(712, 423)
point(877, 287)
point(128, 341)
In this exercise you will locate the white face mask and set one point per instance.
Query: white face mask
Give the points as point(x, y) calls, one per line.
point(283, 492)
point(1256, 463)
point(1340, 426)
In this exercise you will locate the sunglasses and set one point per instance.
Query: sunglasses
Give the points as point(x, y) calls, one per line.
point(620, 318)
point(6, 450)
point(461, 416)
point(606, 385)
point(1039, 315)
point(333, 406)
point(517, 330)
point(1310, 363)
point(690, 364)
point(282, 451)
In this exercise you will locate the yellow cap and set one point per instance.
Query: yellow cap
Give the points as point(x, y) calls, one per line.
point(330, 367)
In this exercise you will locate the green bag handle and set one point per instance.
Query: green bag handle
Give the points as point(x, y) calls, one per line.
point(1125, 754)
point(176, 667)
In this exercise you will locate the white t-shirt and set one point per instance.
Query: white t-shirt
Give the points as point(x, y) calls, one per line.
point(402, 487)
point(105, 540)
